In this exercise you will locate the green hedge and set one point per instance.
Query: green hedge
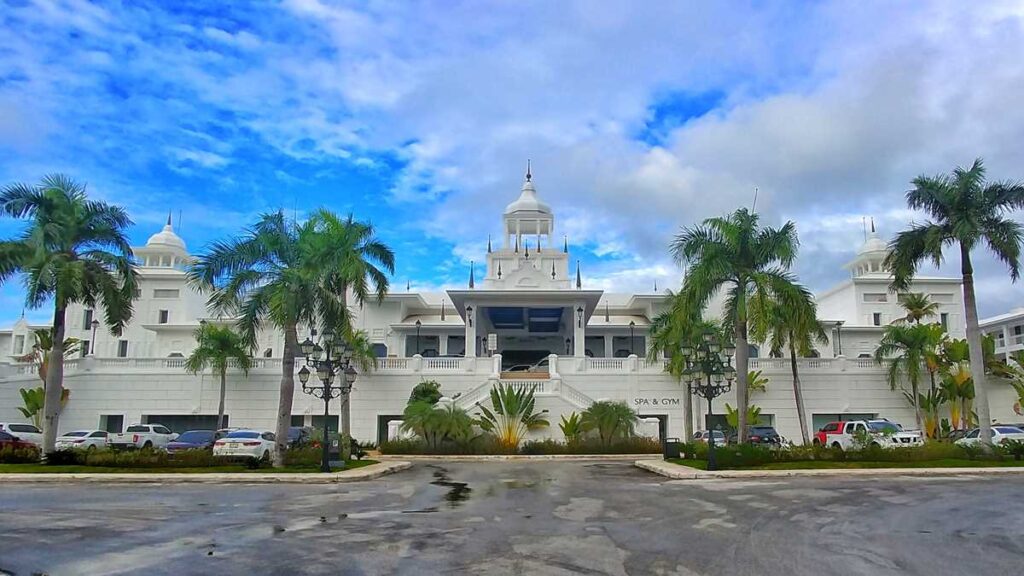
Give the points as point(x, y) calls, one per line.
point(485, 445)
point(12, 455)
point(747, 455)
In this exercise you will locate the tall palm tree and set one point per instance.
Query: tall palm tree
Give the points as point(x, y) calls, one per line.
point(276, 275)
point(357, 261)
point(903, 350)
point(218, 347)
point(965, 212)
point(750, 263)
point(73, 251)
point(918, 306)
point(797, 329)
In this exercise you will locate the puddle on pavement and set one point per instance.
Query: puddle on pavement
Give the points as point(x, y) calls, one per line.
point(458, 492)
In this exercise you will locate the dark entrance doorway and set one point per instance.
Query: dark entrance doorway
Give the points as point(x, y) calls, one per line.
point(382, 427)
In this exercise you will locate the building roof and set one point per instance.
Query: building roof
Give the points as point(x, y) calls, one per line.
point(999, 318)
point(166, 237)
point(527, 201)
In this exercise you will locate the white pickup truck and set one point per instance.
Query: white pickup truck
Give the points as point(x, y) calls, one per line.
point(141, 436)
point(879, 433)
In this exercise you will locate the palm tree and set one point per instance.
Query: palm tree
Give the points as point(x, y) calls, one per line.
point(611, 420)
point(357, 261)
point(918, 306)
point(218, 347)
point(903, 349)
point(32, 403)
point(796, 328)
point(276, 274)
point(965, 212)
point(40, 353)
point(73, 251)
point(750, 264)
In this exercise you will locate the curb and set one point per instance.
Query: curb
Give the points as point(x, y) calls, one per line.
point(678, 472)
point(357, 475)
point(514, 457)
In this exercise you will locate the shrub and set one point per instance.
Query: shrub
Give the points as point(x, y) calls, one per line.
point(308, 456)
point(428, 391)
point(66, 457)
point(1013, 448)
point(12, 455)
point(611, 420)
point(571, 427)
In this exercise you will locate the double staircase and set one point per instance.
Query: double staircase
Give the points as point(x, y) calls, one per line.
point(544, 387)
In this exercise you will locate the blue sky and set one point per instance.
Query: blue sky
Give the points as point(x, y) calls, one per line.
point(420, 117)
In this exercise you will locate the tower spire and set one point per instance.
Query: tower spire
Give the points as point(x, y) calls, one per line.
point(579, 279)
point(488, 243)
point(529, 175)
point(168, 217)
point(565, 247)
point(472, 280)
point(872, 224)
point(527, 248)
point(499, 270)
point(552, 270)
point(655, 285)
point(442, 310)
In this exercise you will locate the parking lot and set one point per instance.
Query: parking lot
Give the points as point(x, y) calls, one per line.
point(520, 518)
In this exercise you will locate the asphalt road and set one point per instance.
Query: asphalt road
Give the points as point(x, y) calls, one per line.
point(520, 518)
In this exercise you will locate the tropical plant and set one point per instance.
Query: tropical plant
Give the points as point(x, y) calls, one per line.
point(511, 414)
point(572, 428)
point(732, 416)
point(750, 264)
point(956, 384)
point(611, 420)
point(929, 403)
point(32, 400)
point(902, 350)
point(437, 424)
point(757, 382)
point(217, 348)
point(73, 251)
point(794, 327)
point(917, 306)
point(428, 391)
point(40, 353)
point(965, 211)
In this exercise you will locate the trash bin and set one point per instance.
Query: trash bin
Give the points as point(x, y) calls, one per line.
point(670, 449)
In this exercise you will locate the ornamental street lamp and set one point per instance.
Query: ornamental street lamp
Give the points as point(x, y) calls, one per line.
point(710, 374)
point(92, 345)
point(632, 325)
point(332, 358)
point(418, 324)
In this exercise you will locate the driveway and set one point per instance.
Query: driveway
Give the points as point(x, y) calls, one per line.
point(520, 518)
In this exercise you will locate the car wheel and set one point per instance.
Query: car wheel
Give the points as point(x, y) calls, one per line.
point(91, 448)
point(816, 442)
point(876, 445)
point(148, 444)
point(266, 455)
point(837, 445)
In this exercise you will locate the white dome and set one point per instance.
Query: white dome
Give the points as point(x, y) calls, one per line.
point(873, 244)
point(528, 201)
point(166, 237)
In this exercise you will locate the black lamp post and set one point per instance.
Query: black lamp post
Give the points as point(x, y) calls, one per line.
point(328, 361)
point(632, 325)
point(710, 373)
point(92, 344)
point(839, 337)
point(568, 346)
point(418, 324)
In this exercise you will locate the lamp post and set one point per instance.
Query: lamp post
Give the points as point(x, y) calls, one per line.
point(92, 343)
point(332, 359)
point(418, 324)
point(710, 373)
point(632, 325)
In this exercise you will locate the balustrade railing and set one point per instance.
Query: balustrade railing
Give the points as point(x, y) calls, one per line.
point(393, 363)
point(442, 363)
point(616, 364)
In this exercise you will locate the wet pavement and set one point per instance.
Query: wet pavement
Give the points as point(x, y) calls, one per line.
point(520, 518)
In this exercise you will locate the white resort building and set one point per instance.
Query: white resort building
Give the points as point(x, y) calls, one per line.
point(527, 306)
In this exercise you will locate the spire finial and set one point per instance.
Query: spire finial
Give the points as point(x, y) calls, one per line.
point(499, 270)
point(529, 175)
point(579, 279)
point(872, 224)
point(607, 316)
point(488, 243)
point(565, 247)
point(472, 280)
point(527, 248)
point(552, 270)
point(408, 285)
point(655, 285)
point(442, 310)
point(168, 217)
point(517, 243)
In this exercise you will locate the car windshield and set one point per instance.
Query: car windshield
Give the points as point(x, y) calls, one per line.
point(762, 430)
point(883, 427)
point(137, 429)
point(244, 434)
point(1009, 430)
point(77, 434)
point(196, 436)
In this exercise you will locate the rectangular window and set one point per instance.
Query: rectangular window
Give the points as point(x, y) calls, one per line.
point(164, 316)
point(112, 423)
point(165, 293)
point(19, 344)
point(122, 349)
point(87, 320)
point(876, 297)
point(876, 318)
point(944, 320)
point(1016, 330)
point(84, 351)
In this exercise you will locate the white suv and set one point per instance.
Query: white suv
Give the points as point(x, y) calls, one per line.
point(24, 432)
point(880, 433)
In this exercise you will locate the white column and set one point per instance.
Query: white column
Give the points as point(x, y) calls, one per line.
point(471, 321)
point(442, 344)
point(579, 332)
point(608, 351)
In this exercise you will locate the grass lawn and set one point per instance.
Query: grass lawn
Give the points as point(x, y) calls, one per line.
point(231, 468)
point(847, 465)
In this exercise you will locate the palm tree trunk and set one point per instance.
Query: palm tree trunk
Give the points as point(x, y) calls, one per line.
point(917, 406)
point(688, 414)
point(54, 383)
point(974, 346)
point(346, 408)
point(284, 406)
point(223, 393)
point(742, 367)
point(798, 394)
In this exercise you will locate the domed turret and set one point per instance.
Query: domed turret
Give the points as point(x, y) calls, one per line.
point(871, 256)
point(165, 249)
point(528, 201)
point(166, 237)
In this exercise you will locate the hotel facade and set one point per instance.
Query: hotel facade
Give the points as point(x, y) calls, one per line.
point(527, 306)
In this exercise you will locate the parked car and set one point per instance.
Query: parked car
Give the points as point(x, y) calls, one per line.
point(142, 436)
point(8, 440)
point(702, 436)
point(1000, 434)
point(539, 366)
point(24, 432)
point(880, 432)
point(955, 435)
point(757, 434)
point(299, 436)
point(193, 440)
point(87, 439)
point(254, 444)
